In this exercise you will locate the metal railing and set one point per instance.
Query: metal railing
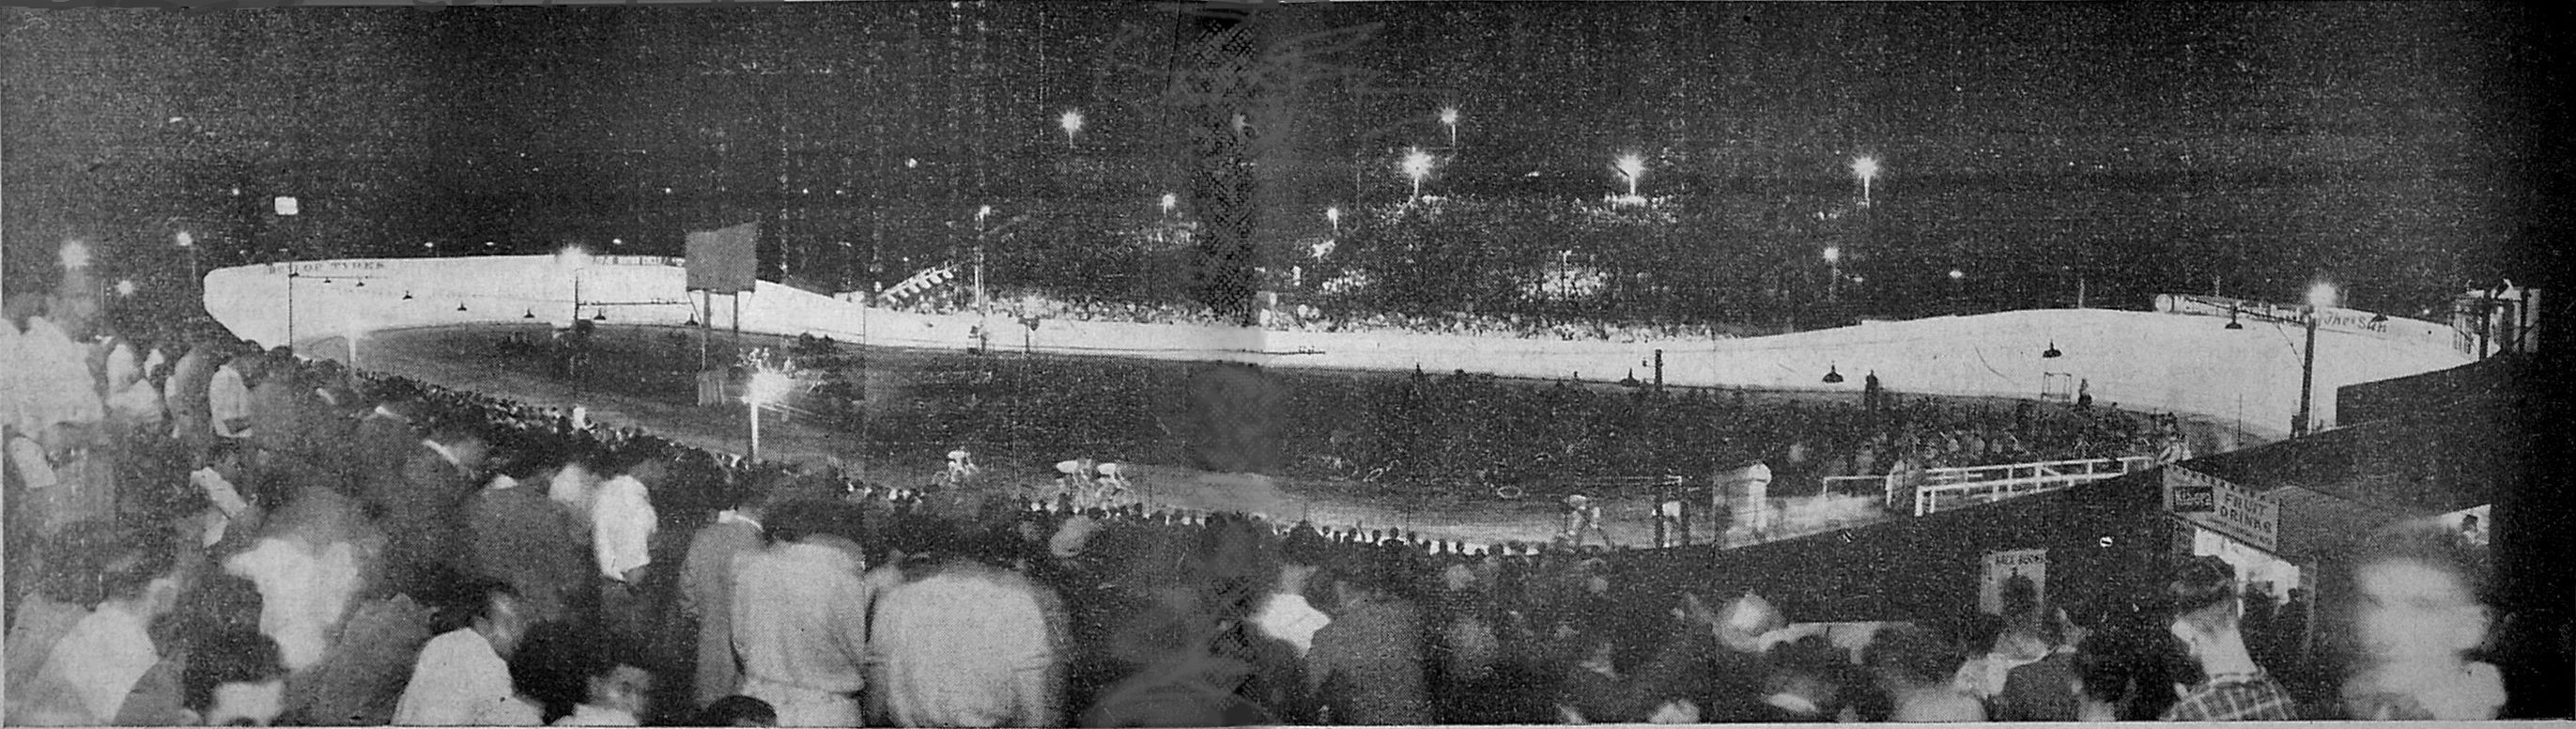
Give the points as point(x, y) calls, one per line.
point(1944, 489)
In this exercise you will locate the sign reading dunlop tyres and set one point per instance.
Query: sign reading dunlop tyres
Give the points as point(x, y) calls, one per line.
point(2222, 506)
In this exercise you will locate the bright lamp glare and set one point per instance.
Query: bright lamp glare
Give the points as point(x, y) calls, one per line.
point(1071, 121)
point(75, 254)
point(1333, 214)
point(1833, 254)
point(2322, 295)
point(1449, 115)
point(1417, 163)
point(1170, 200)
point(1865, 167)
point(766, 387)
point(573, 256)
point(1632, 166)
point(184, 239)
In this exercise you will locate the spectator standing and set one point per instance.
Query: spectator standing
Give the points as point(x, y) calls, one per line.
point(422, 509)
point(463, 677)
point(622, 523)
point(1285, 613)
point(234, 677)
point(967, 643)
point(2416, 621)
point(89, 673)
point(1914, 669)
point(1367, 665)
point(2046, 689)
point(526, 540)
point(185, 395)
point(2206, 619)
point(706, 594)
point(376, 445)
point(799, 617)
point(228, 398)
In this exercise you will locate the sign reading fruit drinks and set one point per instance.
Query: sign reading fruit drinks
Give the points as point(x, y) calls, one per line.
point(2224, 507)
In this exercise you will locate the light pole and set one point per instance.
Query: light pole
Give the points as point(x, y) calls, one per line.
point(1958, 295)
point(1071, 121)
point(764, 387)
point(1417, 164)
point(189, 243)
point(1834, 267)
point(983, 335)
point(291, 275)
point(574, 259)
point(2319, 296)
point(1449, 118)
point(1632, 166)
point(1866, 168)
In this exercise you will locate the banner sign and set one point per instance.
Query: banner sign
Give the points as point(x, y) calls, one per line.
point(724, 261)
point(2223, 506)
point(2011, 567)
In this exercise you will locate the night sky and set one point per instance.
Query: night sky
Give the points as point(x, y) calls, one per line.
point(2405, 150)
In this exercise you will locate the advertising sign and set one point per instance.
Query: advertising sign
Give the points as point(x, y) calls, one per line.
point(2224, 507)
point(2009, 567)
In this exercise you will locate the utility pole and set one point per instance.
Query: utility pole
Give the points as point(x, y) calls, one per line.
point(2307, 377)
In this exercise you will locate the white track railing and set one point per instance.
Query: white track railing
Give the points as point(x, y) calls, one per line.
point(1944, 489)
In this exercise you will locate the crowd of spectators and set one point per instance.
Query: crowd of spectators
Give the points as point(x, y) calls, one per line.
point(1307, 317)
point(205, 532)
point(1474, 428)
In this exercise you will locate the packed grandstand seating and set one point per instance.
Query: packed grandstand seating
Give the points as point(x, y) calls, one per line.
point(251, 519)
point(1306, 317)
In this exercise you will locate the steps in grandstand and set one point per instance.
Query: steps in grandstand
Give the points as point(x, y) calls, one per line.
point(1949, 489)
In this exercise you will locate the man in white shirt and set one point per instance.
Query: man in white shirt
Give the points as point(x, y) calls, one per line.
point(463, 676)
point(800, 617)
point(968, 645)
point(622, 523)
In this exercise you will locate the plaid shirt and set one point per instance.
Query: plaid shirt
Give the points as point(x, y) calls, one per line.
point(2238, 698)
